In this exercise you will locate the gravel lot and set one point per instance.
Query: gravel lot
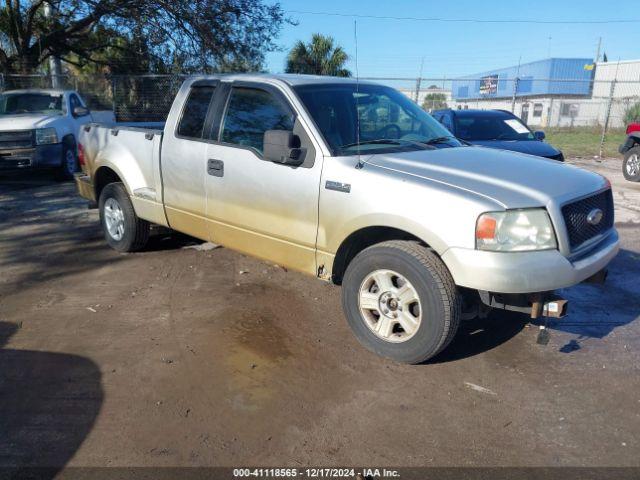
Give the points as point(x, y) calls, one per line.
point(184, 357)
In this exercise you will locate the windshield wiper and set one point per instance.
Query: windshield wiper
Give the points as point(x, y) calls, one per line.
point(380, 141)
point(433, 141)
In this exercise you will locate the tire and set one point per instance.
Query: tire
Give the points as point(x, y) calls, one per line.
point(631, 164)
point(122, 228)
point(69, 164)
point(438, 300)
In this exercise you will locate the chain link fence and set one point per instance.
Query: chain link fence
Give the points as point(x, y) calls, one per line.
point(591, 113)
point(132, 98)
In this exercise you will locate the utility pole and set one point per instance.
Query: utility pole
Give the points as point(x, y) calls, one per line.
point(419, 81)
point(598, 50)
point(607, 115)
point(55, 69)
point(515, 87)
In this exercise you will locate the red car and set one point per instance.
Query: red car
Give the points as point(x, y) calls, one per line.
point(631, 151)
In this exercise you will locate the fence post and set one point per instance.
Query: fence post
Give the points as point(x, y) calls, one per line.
point(513, 97)
point(113, 96)
point(607, 116)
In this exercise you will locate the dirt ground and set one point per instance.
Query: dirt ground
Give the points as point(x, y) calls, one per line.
point(183, 357)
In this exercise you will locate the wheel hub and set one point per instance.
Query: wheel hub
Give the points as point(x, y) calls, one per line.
point(633, 165)
point(390, 306)
point(70, 160)
point(114, 219)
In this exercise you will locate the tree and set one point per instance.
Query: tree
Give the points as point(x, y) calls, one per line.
point(434, 101)
point(319, 57)
point(200, 35)
point(632, 114)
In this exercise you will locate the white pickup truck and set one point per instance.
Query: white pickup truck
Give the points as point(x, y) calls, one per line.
point(39, 129)
point(353, 183)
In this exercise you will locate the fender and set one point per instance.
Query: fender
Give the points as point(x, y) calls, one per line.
point(633, 139)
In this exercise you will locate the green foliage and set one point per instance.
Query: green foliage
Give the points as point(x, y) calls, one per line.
point(318, 57)
point(584, 141)
point(139, 36)
point(632, 114)
point(434, 101)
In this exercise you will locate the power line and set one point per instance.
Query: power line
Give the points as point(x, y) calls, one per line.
point(465, 20)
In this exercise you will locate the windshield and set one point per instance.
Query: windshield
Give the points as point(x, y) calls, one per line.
point(388, 120)
point(491, 127)
point(14, 103)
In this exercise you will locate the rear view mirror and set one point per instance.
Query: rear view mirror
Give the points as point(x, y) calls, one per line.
point(539, 135)
point(80, 112)
point(282, 146)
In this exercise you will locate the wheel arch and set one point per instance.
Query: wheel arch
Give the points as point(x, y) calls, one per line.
point(103, 176)
point(363, 238)
point(69, 140)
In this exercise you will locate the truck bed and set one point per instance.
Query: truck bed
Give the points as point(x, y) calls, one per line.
point(134, 153)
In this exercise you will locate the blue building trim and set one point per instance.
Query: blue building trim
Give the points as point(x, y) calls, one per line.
point(534, 79)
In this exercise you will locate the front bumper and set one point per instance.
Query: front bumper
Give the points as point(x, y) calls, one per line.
point(41, 156)
point(526, 272)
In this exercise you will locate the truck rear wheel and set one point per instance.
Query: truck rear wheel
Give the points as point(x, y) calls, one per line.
point(631, 164)
point(123, 230)
point(400, 301)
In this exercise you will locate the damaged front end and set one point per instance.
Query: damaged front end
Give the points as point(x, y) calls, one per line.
point(536, 304)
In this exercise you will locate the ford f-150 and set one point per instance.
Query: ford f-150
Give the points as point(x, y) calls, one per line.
point(353, 183)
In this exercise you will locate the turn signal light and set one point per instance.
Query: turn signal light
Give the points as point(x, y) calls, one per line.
point(486, 227)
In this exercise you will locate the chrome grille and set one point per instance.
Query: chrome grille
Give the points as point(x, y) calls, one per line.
point(575, 217)
point(16, 139)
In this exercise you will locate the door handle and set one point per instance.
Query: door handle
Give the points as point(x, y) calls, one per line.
point(215, 167)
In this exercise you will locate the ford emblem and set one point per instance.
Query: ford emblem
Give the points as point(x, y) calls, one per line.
point(595, 216)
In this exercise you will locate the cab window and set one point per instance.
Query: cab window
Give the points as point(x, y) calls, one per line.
point(446, 121)
point(250, 113)
point(195, 112)
point(75, 102)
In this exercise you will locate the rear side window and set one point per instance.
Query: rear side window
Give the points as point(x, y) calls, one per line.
point(250, 113)
point(195, 112)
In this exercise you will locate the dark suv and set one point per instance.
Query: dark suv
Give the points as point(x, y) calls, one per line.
point(496, 129)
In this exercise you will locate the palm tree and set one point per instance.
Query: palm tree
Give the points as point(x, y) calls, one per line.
point(319, 57)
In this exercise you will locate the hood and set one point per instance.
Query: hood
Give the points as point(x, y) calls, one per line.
point(512, 180)
point(26, 121)
point(532, 147)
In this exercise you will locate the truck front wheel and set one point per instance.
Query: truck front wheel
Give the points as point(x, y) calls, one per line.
point(123, 230)
point(69, 162)
point(400, 301)
point(631, 164)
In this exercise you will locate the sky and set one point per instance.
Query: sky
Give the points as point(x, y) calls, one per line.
point(395, 48)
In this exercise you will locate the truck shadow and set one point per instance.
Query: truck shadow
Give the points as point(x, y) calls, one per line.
point(594, 312)
point(481, 335)
point(49, 403)
point(597, 310)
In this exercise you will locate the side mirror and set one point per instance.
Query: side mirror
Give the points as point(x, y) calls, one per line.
point(80, 112)
point(282, 146)
point(539, 135)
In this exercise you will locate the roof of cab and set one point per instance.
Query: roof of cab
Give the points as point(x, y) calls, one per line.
point(291, 79)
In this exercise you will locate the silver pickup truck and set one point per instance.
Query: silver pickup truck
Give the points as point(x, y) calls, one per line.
point(352, 183)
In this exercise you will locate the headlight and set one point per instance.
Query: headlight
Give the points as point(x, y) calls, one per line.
point(515, 231)
point(46, 136)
